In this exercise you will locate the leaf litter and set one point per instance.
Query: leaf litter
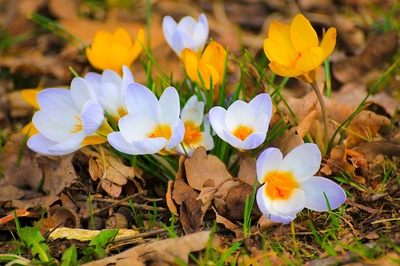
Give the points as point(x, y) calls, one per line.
point(69, 189)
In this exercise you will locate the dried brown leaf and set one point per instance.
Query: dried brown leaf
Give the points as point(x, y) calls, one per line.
point(27, 173)
point(235, 200)
point(59, 173)
point(379, 50)
point(112, 189)
point(247, 170)
point(202, 167)
point(190, 211)
point(238, 230)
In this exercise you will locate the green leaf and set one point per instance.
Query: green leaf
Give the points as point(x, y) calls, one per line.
point(34, 239)
point(70, 257)
point(104, 237)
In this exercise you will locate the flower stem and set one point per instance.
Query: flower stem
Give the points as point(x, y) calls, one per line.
point(314, 85)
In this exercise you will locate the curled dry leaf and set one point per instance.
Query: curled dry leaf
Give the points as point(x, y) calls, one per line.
point(229, 225)
point(337, 164)
point(111, 171)
point(164, 251)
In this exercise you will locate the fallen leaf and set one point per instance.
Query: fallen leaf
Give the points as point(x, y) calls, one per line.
point(59, 173)
point(238, 230)
point(247, 170)
point(23, 174)
point(202, 167)
point(379, 50)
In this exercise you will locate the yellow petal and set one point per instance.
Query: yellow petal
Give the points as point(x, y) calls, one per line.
point(284, 71)
point(30, 129)
point(93, 140)
point(281, 52)
point(302, 34)
point(97, 53)
point(309, 77)
point(117, 56)
point(328, 42)
point(96, 61)
point(137, 46)
point(29, 96)
point(310, 59)
point(122, 38)
point(191, 61)
point(215, 55)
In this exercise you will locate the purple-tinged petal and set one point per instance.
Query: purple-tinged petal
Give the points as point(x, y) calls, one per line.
point(178, 132)
point(92, 117)
point(316, 187)
point(55, 97)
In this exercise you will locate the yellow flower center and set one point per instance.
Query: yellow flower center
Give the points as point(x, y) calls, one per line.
point(78, 126)
point(242, 132)
point(161, 131)
point(280, 185)
point(192, 134)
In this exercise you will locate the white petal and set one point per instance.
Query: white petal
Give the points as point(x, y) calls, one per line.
point(239, 114)
point(150, 146)
point(55, 97)
point(141, 100)
point(261, 124)
point(268, 161)
point(69, 145)
point(81, 92)
point(216, 117)
point(193, 111)
point(44, 146)
point(119, 143)
point(92, 117)
point(303, 161)
point(135, 127)
point(262, 105)
point(168, 108)
point(92, 77)
point(252, 141)
point(56, 123)
point(127, 78)
point(110, 76)
point(291, 206)
point(188, 24)
point(178, 132)
point(169, 26)
point(315, 188)
point(181, 40)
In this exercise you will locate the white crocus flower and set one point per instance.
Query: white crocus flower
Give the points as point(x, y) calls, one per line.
point(188, 33)
point(192, 116)
point(66, 121)
point(289, 184)
point(151, 125)
point(243, 125)
point(110, 90)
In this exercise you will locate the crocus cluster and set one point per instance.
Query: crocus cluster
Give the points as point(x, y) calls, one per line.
point(111, 107)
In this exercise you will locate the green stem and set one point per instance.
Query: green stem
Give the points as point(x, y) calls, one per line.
point(314, 85)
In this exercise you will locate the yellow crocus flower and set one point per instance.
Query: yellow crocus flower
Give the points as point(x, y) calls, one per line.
point(112, 51)
point(293, 50)
point(210, 64)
